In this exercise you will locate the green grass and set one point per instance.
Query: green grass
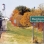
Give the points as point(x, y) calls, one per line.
point(21, 31)
point(27, 33)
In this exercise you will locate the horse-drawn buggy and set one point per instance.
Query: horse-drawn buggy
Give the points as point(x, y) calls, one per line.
point(3, 25)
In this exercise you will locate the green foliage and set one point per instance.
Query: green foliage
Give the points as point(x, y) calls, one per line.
point(23, 9)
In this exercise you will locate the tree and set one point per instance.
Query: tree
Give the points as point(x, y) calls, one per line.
point(25, 20)
point(21, 15)
point(41, 6)
point(23, 9)
point(15, 17)
point(17, 14)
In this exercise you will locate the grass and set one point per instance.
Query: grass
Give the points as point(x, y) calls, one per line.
point(21, 34)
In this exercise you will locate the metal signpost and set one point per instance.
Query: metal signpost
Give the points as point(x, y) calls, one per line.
point(33, 30)
point(37, 19)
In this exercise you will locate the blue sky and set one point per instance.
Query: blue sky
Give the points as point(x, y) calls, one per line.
point(11, 4)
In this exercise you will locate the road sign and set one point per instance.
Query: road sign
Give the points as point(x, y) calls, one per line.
point(36, 18)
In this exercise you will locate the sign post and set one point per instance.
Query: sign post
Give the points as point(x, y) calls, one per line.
point(37, 19)
point(33, 30)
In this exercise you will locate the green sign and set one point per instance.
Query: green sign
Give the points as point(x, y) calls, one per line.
point(36, 18)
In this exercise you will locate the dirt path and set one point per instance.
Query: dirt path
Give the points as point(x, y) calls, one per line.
point(4, 39)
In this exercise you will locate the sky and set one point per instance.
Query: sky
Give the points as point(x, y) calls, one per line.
point(11, 4)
